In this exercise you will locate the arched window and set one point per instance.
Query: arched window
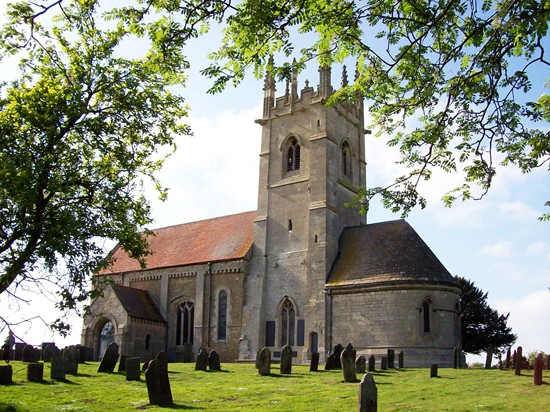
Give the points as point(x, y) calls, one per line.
point(426, 316)
point(147, 342)
point(185, 323)
point(292, 155)
point(288, 322)
point(346, 159)
point(222, 315)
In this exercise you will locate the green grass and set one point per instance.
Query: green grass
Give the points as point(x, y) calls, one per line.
point(239, 388)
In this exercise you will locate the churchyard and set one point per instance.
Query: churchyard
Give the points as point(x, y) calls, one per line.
point(239, 387)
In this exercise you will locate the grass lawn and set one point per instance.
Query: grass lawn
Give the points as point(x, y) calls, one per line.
point(238, 387)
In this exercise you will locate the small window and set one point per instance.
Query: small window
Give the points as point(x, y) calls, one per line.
point(147, 342)
point(290, 225)
point(222, 315)
point(293, 155)
point(426, 316)
point(346, 160)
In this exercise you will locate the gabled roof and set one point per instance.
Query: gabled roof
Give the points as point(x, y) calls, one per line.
point(137, 303)
point(222, 238)
point(388, 252)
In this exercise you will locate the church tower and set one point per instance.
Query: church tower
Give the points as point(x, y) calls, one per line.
point(311, 164)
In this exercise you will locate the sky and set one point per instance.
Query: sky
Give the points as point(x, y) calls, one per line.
point(497, 242)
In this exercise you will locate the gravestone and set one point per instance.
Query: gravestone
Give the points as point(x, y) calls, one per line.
point(30, 354)
point(314, 365)
point(35, 372)
point(360, 364)
point(109, 359)
point(286, 360)
point(518, 359)
point(433, 370)
point(391, 359)
point(347, 360)
point(162, 356)
point(264, 362)
point(330, 363)
point(537, 374)
point(57, 368)
point(187, 353)
point(122, 363)
point(257, 358)
point(18, 352)
point(368, 394)
point(82, 355)
point(337, 352)
point(401, 360)
point(202, 360)
point(352, 349)
point(384, 363)
point(158, 384)
point(50, 351)
point(508, 356)
point(132, 369)
point(6, 375)
point(214, 361)
point(372, 363)
point(71, 356)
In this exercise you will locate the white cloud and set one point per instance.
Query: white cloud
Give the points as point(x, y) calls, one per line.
point(517, 210)
point(539, 248)
point(498, 250)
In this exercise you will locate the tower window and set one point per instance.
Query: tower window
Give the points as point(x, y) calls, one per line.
point(346, 160)
point(293, 155)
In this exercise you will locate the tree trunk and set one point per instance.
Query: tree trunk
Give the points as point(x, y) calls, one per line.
point(489, 359)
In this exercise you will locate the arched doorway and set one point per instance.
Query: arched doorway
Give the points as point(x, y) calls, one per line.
point(106, 337)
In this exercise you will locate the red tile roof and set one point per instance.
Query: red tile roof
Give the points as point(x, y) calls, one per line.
point(222, 238)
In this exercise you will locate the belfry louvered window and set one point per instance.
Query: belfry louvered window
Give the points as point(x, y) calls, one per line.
point(293, 155)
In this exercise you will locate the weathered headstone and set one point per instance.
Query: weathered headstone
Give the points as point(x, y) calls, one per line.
point(71, 356)
point(347, 360)
point(337, 352)
point(202, 360)
point(401, 360)
point(162, 356)
point(257, 358)
point(6, 375)
point(433, 370)
point(391, 358)
point(368, 394)
point(508, 358)
point(360, 364)
point(35, 372)
point(132, 369)
point(18, 352)
point(537, 373)
point(30, 354)
point(372, 363)
point(50, 351)
point(214, 361)
point(57, 368)
point(384, 363)
point(264, 362)
point(122, 363)
point(314, 365)
point(330, 363)
point(286, 360)
point(109, 359)
point(517, 364)
point(158, 384)
point(352, 349)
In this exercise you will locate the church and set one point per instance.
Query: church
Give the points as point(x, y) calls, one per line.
point(302, 270)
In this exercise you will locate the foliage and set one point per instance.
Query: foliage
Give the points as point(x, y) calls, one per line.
point(448, 81)
point(239, 388)
point(82, 127)
point(481, 326)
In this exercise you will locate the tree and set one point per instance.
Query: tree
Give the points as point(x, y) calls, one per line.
point(82, 129)
point(447, 81)
point(483, 329)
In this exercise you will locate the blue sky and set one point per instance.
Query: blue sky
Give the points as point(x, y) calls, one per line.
point(497, 242)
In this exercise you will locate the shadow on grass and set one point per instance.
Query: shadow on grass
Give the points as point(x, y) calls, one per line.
point(173, 406)
point(6, 407)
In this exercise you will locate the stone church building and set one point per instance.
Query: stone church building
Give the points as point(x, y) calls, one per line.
point(303, 269)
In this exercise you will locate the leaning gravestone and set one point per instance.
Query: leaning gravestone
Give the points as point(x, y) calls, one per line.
point(360, 364)
point(35, 372)
point(162, 356)
point(145, 365)
point(400, 360)
point(537, 373)
point(57, 368)
point(391, 359)
point(368, 394)
point(347, 360)
point(517, 365)
point(384, 363)
point(202, 360)
point(314, 366)
point(286, 360)
point(337, 352)
point(158, 384)
point(330, 364)
point(132, 369)
point(214, 361)
point(264, 362)
point(109, 359)
point(50, 351)
point(433, 370)
point(122, 363)
point(372, 363)
point(71, 356)
point(6, 374)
